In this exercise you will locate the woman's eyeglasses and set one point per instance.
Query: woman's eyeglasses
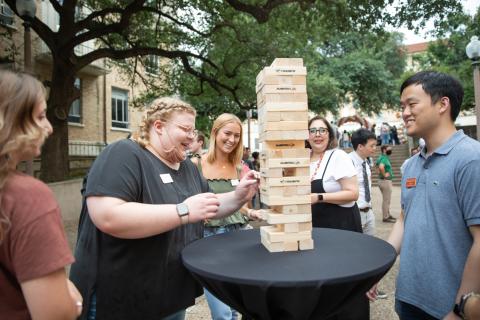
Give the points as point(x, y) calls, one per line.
point(320, 130)
point(192, 133)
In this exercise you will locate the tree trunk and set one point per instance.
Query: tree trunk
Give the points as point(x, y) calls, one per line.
point(55, 160)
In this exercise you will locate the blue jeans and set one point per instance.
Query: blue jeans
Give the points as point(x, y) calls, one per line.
point(218, 309)
point(385, 138)
point(407, 311)
point(92, 311)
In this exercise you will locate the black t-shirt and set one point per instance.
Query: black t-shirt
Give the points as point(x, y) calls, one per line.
point(139, 278)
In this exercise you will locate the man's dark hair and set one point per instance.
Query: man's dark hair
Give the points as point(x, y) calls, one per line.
point(361, 136)
point(255, 155)
point(438, 85)
point(384, 148)
point(201, 137)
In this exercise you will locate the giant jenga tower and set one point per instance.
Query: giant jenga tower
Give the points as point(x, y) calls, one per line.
point(284, 161)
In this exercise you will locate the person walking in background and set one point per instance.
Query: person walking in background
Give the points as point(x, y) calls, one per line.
point(246, 158)
point(395, 140)
point(334, 192)
point(223, 168)
point(438, 232)
point(345, 139)
point(385, 177)
point(145, 203)
point(385, 133)
point(197, 145)
point(33, 247)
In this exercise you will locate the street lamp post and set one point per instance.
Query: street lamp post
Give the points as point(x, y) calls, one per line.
point(26, 10)
point(473, 53)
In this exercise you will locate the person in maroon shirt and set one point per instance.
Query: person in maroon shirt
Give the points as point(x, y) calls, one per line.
point(33, 247)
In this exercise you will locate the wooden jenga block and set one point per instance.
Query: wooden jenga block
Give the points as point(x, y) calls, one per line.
point(297, 62)
point(276, 115)
point(282, 201)
point(273, 247)
point(263, 79)
point(290, 246)
point(292, 208)
point(284, 135)
point(282, 101)
point(285, 191)
point(282, 126)
point(295, 227)
point(282, 106)
point(278, 218)
point(298, 171)
point(285, 153)
point(284, 144)
point(285, 162)
point(285, 181)
point(284, 172)
point(282, 89)
point(306, 244)
point(274, 234)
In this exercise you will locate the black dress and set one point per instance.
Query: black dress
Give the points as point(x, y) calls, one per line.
point(328, 215)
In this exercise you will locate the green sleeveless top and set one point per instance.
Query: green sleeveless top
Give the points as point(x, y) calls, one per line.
point(222, 186)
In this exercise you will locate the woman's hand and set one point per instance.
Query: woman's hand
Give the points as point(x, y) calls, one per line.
point(254, 214)
point(202, 206)
point(247, 187)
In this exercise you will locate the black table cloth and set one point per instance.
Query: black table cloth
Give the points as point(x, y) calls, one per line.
point(311, 284)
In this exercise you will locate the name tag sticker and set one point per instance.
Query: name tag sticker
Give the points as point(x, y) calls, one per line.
point(411, 182)
point(166, 178)
point(235, 182)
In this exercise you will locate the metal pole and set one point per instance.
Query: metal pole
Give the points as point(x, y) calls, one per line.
point(476, 89)
point(249, 116)
point(27, 58)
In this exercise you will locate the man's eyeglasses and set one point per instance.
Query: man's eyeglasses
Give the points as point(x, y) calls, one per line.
point(192, 133)
point(322, 131)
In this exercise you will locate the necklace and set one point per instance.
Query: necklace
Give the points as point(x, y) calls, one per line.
point(318, 166)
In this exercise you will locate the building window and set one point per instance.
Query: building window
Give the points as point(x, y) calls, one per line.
point(75, 113)
point(6, 14)
point(119, 108)
point(152, 65)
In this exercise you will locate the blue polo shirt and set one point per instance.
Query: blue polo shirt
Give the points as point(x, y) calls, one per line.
point(440, 199)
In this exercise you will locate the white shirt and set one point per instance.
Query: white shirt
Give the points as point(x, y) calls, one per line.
point(357, 162)
point(340, 166)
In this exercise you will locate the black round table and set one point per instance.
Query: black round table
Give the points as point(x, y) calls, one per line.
point(311, 284)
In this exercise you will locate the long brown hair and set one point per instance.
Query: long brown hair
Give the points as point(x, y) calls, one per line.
point(235, 157)
point(19, 133)
point(159, 109)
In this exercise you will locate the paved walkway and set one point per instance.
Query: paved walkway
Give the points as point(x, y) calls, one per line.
point(379, 310)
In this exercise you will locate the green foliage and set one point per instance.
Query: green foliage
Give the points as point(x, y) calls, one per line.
point(448, 54)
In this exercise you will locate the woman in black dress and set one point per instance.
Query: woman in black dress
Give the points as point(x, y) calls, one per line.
point(334, 192)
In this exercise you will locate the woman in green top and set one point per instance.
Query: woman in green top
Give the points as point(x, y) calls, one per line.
point(223, 168)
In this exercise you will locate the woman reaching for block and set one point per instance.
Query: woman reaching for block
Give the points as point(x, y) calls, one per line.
point(222, 166)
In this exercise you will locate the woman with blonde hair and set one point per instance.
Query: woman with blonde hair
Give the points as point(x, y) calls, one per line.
point(144, 204)
point(222, 166)
point(33, 248)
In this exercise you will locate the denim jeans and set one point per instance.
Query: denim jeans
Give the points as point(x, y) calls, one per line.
point(92, 312)
point(218, 309)
point(407, 311)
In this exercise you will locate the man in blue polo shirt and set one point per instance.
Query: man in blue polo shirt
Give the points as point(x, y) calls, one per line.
point(438, 230)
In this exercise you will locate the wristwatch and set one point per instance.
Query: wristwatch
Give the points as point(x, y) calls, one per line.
point(459, 308)
point(182, 210)
point(320, 197)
